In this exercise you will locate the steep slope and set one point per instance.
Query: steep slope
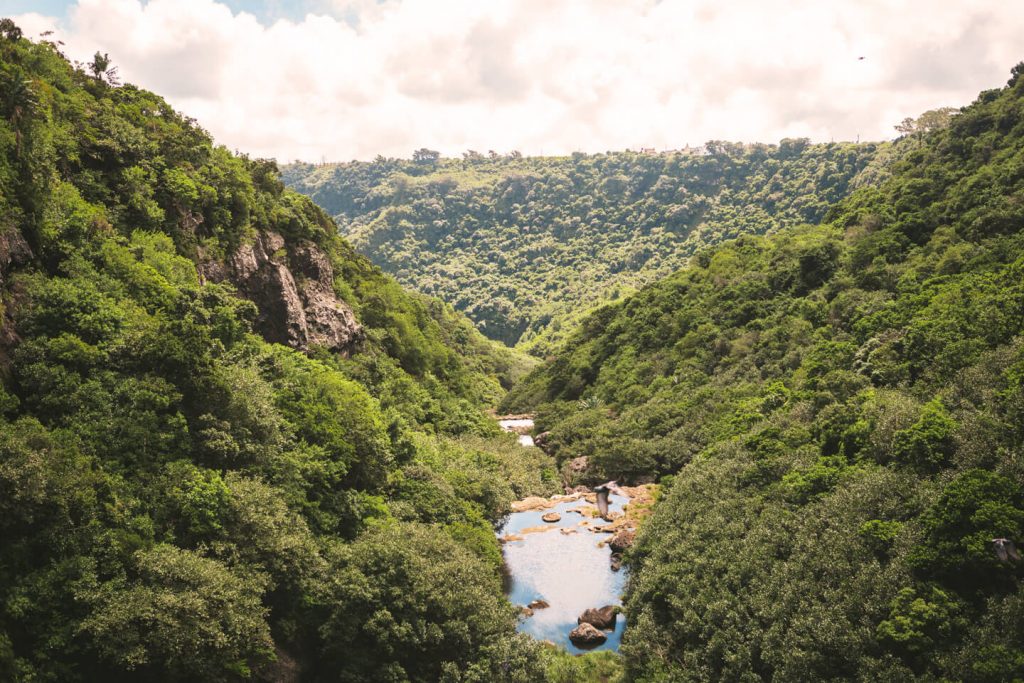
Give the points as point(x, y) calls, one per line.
point(836, 413)
point(526, 246)
point(230, 448)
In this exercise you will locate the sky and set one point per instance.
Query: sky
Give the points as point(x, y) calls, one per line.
point(337, 80)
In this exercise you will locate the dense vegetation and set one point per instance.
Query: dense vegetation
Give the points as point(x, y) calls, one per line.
point(836, 412)
point(179, 498)
point(526, 246)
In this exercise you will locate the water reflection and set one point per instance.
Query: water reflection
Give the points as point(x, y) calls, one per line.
point(569, 571)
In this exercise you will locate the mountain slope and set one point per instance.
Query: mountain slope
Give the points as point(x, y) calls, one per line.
point(836, 414)
point(525, 246)
point(218, 423)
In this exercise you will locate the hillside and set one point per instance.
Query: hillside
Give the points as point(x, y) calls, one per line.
point(525, 246)
point(836, 414)
point(219, 425)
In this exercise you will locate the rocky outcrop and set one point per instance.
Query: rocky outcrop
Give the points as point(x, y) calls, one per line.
point(616, 562)
point(293, 288)
point(601, 617)
point(551, 517)
point(622, 540)
point(14, 251)
point(586, 635)
point(539, 604)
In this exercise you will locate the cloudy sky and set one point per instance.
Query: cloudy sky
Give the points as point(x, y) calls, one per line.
point(350, 79)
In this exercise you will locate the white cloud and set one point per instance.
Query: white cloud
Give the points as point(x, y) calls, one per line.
point(548, 76)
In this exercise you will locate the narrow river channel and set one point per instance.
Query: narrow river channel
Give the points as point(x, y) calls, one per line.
point(563, 563)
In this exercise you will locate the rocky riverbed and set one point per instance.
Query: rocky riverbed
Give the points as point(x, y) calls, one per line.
point(559, 551)
point(564, 560)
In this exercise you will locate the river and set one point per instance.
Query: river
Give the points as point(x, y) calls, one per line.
point(563, 563)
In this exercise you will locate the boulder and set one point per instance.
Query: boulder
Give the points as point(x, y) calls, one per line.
point(531, 503)
point(622, 540)
point(539, 604)
point(601, 617)
point(585, 635)
point(525, 612)
point(551, 517)
point(616, 561)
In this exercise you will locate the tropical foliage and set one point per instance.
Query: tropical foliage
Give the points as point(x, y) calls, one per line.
point(836, 413)
point(525, 246)
point(181, 500)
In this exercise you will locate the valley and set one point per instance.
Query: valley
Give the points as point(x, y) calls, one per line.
point(359, 421)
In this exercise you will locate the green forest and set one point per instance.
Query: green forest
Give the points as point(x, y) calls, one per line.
point(835, 413)
point(233, 447)
point(525, 246)
point(181, 500)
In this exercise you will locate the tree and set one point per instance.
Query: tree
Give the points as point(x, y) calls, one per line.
point(185, 615)
point(426, 156)
point(9, 30)
point(103, 69)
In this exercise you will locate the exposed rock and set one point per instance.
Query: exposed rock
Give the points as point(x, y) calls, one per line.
point(293, 290)
point(514, 416)
point(551, 517)
point(14, 251)
point(622, 540)
point(586, 635)
point(330, 321)
point(616, 562)
point(539, 604)
point(531, 503)
point(526, 612)
point(601, 617)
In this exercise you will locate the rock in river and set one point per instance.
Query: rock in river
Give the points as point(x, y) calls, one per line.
point(586, 635)
point(622, 540)
point(602, 617)
point(551, 517)
point(539, 604)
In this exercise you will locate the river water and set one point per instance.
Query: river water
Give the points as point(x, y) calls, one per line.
point(568, 570)
point(516, 425)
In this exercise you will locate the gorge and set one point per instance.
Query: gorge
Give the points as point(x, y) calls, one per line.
point(233, 447)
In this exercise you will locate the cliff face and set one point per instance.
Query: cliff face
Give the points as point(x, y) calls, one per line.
point(293, 288)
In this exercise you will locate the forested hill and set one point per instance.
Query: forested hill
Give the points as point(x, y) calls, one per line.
point(230, 448)
point(837, 412)
point(524, 246)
